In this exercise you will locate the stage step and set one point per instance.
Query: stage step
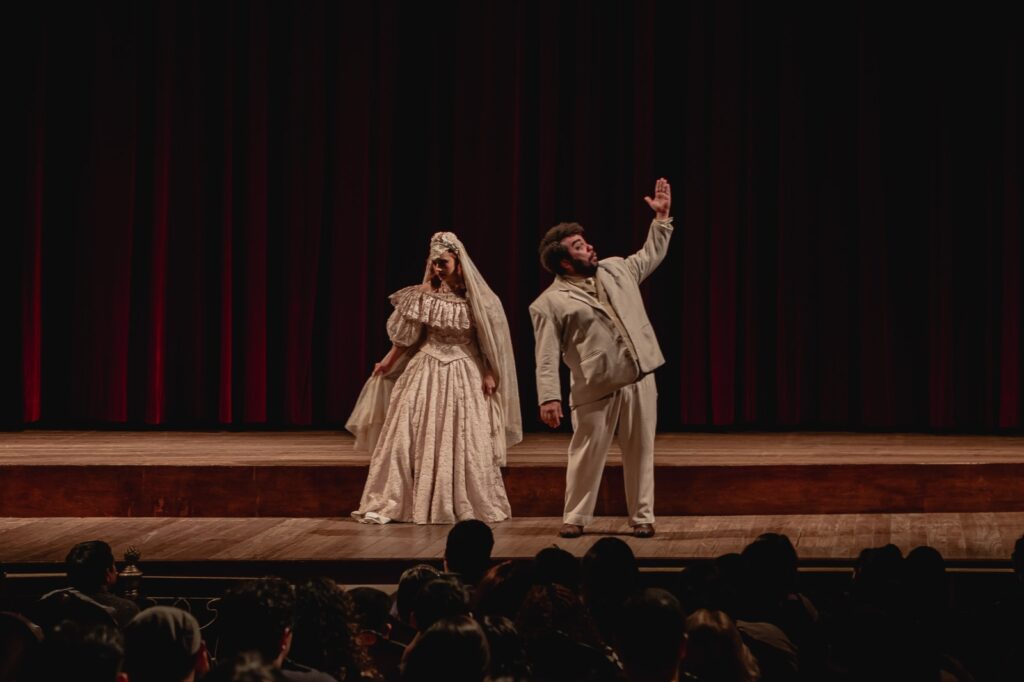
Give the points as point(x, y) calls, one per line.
point(316, 474)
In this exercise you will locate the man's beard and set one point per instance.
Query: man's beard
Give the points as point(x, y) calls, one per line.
point(584, 268)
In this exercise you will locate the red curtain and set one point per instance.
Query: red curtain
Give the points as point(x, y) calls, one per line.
point(218, 198)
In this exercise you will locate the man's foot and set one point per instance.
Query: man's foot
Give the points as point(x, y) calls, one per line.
point(570, 530)
point(643, 530)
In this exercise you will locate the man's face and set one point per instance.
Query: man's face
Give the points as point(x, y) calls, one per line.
point(583, 256)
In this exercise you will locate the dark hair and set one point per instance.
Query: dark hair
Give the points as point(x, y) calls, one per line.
point(502, 590)
point(87, 564)
point(371, 608)
point(443, 597)
point(609, 575)
point(247, 666)
point(71, 651)
point(555, 565)
point(508, 656)
point(650, 635)
point(770, 575)
point(468, 550)
point(409, 585)
point(254, 615)
point(455, 647)
point(551, 249)
point(325, 630)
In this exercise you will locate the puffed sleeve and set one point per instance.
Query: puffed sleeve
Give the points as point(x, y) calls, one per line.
point(404, 326)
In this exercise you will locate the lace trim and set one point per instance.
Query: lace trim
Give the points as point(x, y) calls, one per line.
point(435, 309)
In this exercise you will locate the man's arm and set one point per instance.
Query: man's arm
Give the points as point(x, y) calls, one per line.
point(643, 262)
point(547, 336)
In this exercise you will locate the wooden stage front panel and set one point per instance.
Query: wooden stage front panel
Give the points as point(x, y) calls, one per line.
point(318, 474)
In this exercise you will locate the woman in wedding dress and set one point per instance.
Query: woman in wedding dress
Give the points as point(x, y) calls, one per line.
point(442, 407)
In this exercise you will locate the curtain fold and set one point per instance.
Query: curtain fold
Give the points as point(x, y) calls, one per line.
point(218, 198)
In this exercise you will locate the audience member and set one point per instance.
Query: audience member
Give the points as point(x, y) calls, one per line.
point(82, 653)
point(19, 640)
point(453, 649)
point(502, 590)
point(443, 597)
point(91, 570)
point(371, 611)
point(259, 615)
point(715, 652)
point(327, 628)
point(651, 637)
point(467, 552)
point(508, 656)
point(610, 576)
point(408, 587)
point(555, 565)
point(771, 594)
point(244, 667)
point(164, 644)
point(561, 639)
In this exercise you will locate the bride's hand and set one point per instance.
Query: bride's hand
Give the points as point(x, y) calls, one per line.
point(489, 384)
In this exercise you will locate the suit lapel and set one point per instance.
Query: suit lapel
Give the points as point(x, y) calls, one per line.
point(574, 293)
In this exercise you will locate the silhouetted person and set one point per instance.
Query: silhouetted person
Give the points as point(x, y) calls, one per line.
point(259, 615)
point(444, 597)
point(371, 611)
point(409, 585)
point(164, 644)
point(452, 649)
point(327, 627)
point(467, 551)
point(610, 576)
point(651, 637)
point(91, 570)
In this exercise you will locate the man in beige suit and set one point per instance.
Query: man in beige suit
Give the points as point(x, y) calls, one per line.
point(592, 316)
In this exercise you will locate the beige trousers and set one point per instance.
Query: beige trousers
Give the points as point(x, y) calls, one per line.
point(634, 410)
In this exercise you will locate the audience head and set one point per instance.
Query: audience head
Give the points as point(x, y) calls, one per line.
point(163, 644)
point(555, 565)
point(878, 576)
point(502, 590)
point(326, 629)
point(715, 650)
point(508, 657)
point(651, 638)
point(83, 653)
point(244, 667)
point(609, 576)
point(372, 610)
point(924, 572)
point(443, 597)
point(468, 550)
point(257, 615)
point(409, 585)
point(457, 646)
point(609, 566)
point(770, 563)
point(90, 566)
point(19, 640)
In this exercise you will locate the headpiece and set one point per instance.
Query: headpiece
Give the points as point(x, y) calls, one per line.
point(441, 243)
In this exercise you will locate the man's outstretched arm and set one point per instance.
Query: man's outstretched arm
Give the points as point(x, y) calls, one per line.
point(643, 262)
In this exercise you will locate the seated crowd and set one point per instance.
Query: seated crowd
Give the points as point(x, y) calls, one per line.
point(737, 618)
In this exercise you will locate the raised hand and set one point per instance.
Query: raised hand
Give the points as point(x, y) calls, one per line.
point(661, 204)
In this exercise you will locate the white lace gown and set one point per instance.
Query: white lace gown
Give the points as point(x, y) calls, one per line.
point(435, 459)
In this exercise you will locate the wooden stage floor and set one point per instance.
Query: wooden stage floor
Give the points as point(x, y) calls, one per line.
point(261, 496)
point(317, 474)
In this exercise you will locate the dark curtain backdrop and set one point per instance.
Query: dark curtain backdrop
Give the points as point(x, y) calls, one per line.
point(216, 198)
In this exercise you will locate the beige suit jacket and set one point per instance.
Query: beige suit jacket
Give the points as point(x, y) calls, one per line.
point(570, 324)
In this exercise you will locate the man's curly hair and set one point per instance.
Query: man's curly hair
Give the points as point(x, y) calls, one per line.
point(552, 251)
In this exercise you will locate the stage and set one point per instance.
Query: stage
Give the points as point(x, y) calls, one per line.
point(219, 500)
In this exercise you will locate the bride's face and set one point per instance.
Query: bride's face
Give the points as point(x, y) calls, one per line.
point(446, 266)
